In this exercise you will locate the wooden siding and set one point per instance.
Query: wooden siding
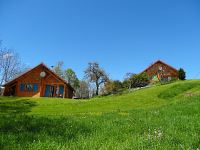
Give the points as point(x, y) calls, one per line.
point(32, 77)
point(159, 69)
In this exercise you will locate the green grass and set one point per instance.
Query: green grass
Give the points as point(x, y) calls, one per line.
point(161, 117)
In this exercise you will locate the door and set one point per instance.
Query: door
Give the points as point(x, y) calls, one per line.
point(13, 90)
point(61, 90)
point(47, 91)
point(54, 91)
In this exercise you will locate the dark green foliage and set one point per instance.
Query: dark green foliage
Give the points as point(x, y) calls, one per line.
point(136, 80)
point(181, 74)
point(139, 80)
point(71, 78)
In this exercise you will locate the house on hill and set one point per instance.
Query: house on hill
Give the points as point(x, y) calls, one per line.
point(39, 81)
point(160, 71)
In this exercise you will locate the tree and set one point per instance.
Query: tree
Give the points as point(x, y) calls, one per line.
point(10, 65)
point(139, 80)
point(113, 86)
point(181, 74)
point(83, 90)
point(58, 68)
point(71, 78)
point(109, 86)
point(127, 83)
point(95, 75)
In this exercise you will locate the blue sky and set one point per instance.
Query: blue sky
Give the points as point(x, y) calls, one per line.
point(122, 35)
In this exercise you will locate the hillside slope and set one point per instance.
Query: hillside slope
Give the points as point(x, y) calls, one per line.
point(141, 99)
point(161, 117)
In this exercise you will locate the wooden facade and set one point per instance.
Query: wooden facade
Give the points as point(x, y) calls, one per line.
point(39, 82)
point(161, 71)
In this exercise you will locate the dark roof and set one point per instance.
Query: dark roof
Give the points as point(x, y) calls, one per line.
point(41, 64)
point(159, 61)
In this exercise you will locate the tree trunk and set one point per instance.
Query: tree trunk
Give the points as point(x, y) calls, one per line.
point(97, 89)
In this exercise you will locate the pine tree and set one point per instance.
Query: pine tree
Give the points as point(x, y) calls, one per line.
point(181, 74)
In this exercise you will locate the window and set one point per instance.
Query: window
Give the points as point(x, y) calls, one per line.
point(28, 87)
point(35, 87)
point(22, 87)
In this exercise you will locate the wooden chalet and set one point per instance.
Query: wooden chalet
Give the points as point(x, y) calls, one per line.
point(160, 71)
point(39, 82)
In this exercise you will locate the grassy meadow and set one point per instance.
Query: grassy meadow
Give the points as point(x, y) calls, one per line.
point(159, 117)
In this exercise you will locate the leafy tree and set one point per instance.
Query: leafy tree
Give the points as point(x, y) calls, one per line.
point(127, 83)
point(71, 78)
point(95, 75)
point(113, 86)
point(181, 74)
point(109, 86)
point(117, 85)
point(139, 80)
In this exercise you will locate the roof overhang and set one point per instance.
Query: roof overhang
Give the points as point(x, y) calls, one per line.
point(159, 61)
point(49, 70)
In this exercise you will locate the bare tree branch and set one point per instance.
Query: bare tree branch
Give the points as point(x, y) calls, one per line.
point(10, 65)
point(96, 75)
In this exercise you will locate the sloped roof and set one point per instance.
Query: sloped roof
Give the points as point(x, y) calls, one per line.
point(159, 61)
point(49, 70)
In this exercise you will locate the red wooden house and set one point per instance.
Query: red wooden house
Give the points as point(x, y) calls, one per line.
point(39, 82)
point(161, 71)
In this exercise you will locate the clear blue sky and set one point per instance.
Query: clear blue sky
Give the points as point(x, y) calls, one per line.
point(122, 35)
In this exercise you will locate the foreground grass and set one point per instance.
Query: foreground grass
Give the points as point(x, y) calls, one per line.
point(163, 117)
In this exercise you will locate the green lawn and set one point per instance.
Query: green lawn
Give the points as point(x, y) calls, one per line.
point(160, 117)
